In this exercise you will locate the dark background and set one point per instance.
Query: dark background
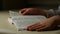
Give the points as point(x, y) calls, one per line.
point(0, 4)
point(19, 4)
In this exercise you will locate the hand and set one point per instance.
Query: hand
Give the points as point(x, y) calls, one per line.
point(44, 25)
point(32, 11)
point(40, 26)
point(58, 20)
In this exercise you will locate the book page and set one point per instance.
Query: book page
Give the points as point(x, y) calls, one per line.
point(22, 22)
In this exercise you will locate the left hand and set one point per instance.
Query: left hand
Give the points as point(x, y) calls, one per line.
point(32, 11)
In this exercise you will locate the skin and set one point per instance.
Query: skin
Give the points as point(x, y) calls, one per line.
point(44, 25)
point(39, 26)
point(32, 11)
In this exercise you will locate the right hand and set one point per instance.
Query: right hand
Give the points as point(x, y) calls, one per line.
point(32, 11)
point(48, 24)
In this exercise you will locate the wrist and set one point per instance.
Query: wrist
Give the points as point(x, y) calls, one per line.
point(57, 17)
point(42, 12)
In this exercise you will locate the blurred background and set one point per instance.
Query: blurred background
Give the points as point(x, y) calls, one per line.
point(19, 4)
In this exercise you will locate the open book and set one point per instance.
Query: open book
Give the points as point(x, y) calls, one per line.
point(23, 21)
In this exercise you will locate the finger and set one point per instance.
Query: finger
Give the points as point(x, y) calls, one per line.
point(39, 29)
point(27, 11)
point(23, 10)
point(32, 26)
point(39, 26)
point(35, 26)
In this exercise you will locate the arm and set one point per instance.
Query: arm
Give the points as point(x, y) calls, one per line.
point(39, 11)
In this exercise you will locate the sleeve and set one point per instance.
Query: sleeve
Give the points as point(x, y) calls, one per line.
point(57, 12)
point(50, 13)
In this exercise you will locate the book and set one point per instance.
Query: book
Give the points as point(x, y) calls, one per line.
point(23, 21)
